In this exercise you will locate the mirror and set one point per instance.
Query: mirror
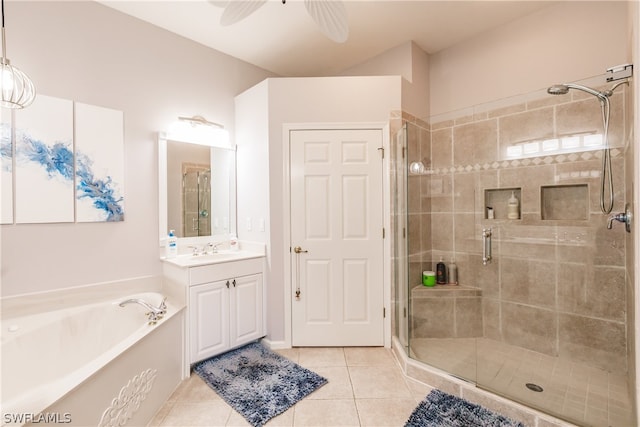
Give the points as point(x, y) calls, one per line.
point(197, 190)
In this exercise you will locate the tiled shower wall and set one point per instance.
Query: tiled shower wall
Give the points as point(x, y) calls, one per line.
point(554, 286)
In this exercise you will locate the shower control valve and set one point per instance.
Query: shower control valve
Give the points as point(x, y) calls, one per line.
point(624, 217)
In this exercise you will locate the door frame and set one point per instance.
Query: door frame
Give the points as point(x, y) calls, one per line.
point(383, 127)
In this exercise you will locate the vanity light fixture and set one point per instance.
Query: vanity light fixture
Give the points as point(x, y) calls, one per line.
point(198, 130)
point(16, 88)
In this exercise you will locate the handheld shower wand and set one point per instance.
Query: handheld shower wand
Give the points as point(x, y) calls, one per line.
point(606, 179)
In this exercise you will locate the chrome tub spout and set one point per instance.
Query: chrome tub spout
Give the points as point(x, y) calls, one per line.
point(154, 314)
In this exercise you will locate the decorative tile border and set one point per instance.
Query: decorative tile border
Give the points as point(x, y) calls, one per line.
point(528, 161)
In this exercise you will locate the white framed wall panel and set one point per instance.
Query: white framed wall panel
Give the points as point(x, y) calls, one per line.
point(99, 164)
point(44, 161)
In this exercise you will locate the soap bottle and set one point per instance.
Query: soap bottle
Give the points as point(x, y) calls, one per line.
point(233, 243)
point(513, 207)
point(441, 273)
point(453, 272)
point(172, 245)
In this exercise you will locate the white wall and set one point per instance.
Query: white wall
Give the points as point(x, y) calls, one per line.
point(412, 64)
point(86, 52)
point(416, 92)
point(269, 106)
point(561, 43)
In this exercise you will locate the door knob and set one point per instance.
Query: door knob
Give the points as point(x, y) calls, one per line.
point(299, 250)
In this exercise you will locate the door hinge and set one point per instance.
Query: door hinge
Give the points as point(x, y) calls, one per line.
point(383, 232)
point(404, 233)
point(381, 149)
point(403, 152)
point(404, 311)
point(384, 312)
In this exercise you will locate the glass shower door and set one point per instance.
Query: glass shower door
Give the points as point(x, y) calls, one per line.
point(444, 320)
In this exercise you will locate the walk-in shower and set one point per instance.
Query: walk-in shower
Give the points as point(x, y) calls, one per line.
point(546, 323)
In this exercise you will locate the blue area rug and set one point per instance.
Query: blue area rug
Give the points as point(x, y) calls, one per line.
point(257, 382)
point(440, 409)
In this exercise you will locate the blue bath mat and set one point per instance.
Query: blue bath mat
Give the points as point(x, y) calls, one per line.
point(257, 382)
point(440, 409)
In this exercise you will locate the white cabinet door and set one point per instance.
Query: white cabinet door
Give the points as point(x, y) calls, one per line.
point(246, 309)
point(209, 319)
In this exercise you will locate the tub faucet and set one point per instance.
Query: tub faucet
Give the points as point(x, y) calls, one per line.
point(154, 314)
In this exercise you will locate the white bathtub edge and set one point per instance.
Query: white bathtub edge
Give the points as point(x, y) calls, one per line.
point(46, 395)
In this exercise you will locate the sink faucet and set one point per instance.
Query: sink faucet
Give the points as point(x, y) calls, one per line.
point(154, 314)
point(213, 248)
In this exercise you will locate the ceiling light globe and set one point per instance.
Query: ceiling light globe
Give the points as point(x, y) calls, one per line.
point(16, 88)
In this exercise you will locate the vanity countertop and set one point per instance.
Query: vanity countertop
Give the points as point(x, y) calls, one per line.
point(189, 260)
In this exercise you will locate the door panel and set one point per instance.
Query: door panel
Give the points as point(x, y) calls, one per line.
point(209, 330)
point(246, 303)
point(336, 217)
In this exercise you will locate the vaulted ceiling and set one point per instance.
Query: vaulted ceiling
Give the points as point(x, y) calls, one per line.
point(284, 39)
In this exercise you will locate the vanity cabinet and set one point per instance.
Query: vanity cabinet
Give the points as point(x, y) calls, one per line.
point(224, 314)
point(225, 304)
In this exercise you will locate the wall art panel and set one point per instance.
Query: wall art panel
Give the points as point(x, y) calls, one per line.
point(6, 168)
point(99, 164)
point(44, 161)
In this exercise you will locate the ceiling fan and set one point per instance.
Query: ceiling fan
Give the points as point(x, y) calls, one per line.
point(329, 15)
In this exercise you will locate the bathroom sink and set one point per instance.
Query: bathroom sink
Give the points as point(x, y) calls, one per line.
point(215, 257)
point(222, 256)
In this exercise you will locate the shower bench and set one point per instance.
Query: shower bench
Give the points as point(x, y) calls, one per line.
point(446, 311)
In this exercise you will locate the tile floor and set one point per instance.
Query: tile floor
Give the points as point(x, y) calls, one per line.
point(573, 391)
point(366, 388)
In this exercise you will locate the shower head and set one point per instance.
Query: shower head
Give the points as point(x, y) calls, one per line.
point(558, 90)
point(563, 89)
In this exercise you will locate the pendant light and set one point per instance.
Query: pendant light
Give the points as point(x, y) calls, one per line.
point(16, 88)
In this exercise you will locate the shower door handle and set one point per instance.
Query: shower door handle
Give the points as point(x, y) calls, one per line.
point(486, 246)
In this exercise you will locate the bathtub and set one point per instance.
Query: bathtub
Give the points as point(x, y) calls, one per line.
point(51, 360)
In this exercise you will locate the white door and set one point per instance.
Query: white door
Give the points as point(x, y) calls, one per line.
point(337, 224)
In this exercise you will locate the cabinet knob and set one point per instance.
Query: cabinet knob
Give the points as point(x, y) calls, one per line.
point(227, 284)
point(234, 283)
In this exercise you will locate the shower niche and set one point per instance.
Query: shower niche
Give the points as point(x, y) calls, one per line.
point(496, 201)
point(564, 202)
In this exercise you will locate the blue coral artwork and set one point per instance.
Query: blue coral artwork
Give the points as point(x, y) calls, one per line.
point(99, 164)
point(61, 162)
point(6, 168)
point(44, 162)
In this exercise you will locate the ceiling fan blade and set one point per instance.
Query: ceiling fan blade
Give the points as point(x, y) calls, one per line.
point(237, 10)
point(331, 17)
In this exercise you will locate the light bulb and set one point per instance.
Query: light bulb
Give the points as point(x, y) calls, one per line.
point(416, 168)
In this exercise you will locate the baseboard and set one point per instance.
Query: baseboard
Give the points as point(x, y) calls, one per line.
point(275, 345)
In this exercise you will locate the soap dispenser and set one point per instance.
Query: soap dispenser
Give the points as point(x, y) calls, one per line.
point(172, 245)
point(513, 207)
